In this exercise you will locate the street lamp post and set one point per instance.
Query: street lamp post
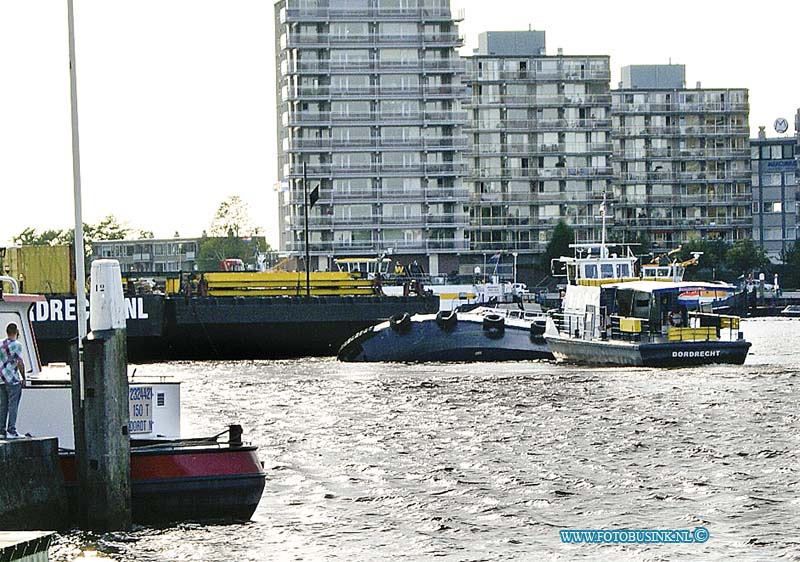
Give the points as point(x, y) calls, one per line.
point(515, 254)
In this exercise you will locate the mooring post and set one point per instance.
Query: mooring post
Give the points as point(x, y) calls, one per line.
point(101, 420)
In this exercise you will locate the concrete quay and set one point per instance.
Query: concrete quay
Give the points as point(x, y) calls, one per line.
point(32, 495)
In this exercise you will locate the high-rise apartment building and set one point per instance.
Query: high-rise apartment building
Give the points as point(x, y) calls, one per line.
point(369, 100)
point(539, 134)
point(774, 182)
point(681, 158)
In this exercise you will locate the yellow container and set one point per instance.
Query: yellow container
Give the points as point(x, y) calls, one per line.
point(630, 325)
point(692, 334)
point(43, 270)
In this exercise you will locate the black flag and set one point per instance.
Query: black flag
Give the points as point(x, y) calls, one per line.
point(313, 197)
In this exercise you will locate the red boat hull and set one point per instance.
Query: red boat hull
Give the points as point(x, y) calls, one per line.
point(187, 483)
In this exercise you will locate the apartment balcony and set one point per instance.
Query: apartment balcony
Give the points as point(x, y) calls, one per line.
point(684, 200)
point(331, 247)
point(371, 169)
point(679, 223)
point(584, 100)
point(698, 108)
point(419, 221)
point(589, 173)
point(373, 40)
point(371, 13)
point(536, 198)
point(360, 66)
point(377, 246)
point(683, 177)
point(438, 144)
point(531, 125)
point(527, 246)
point(685, 154)
point(588, 75)
point(325, 118)
point(519, 149)
point(374, 195)
point(683, 131)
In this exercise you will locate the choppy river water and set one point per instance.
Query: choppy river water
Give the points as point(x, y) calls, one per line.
point(468, 462)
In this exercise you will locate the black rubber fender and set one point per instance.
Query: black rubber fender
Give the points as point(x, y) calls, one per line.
point(400, 323)
point(447, 320)
point(537, 329)
point(494, 325)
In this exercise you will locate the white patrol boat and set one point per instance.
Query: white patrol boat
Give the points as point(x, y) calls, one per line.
point(642, 323)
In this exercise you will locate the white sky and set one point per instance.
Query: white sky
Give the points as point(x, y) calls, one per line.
point(177, 99)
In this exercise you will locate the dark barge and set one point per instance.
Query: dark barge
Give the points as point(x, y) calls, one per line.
point(166, 327)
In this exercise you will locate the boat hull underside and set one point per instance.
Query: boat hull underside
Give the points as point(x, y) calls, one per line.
point(426, 341)
point(677, 354)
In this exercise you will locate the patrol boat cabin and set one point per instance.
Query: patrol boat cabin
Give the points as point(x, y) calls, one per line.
point(642, 323)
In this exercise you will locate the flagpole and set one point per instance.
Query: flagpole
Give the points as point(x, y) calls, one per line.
point(305, 217)
point(80, 269)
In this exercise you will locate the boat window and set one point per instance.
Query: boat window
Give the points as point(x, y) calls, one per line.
point(607, 270)
point(590, 271)
point(624, 270)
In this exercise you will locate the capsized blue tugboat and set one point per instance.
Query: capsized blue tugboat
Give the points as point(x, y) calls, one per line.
point(500, 333)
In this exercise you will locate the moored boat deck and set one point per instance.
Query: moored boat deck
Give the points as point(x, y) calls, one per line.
point(25, 546)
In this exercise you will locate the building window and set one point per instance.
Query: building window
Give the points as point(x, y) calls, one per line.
point(772, 206)
point(777, 152)
point(788, 151)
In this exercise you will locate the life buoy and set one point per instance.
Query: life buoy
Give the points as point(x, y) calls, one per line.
point(400, 323)
point(675, 319)
point(494, 325)
point(446, 320)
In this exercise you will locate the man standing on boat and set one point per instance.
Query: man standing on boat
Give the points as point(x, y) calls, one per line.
point(12, 373)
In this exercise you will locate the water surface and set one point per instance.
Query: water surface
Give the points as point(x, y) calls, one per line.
point(469, 462)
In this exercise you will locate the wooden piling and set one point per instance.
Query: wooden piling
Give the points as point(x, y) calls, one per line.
point(101, 432)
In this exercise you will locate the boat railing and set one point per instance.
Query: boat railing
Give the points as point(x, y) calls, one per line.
point(579, 326)
point(710, 326)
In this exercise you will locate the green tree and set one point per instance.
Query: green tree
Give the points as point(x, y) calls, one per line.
point(711, 262)
point(109, 228)
point(563, 235)
point(214, 249)
point(746, 256)
point(232, 219)
point(31, 237)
